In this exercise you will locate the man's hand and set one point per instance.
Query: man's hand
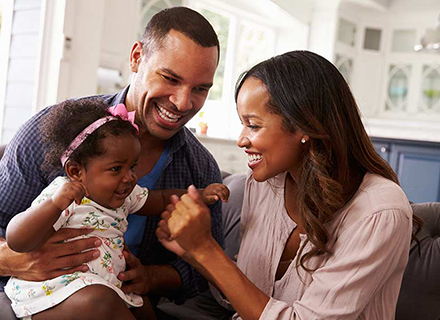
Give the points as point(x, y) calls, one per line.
point(135, 276)
point(160, 280)
point(52, 259)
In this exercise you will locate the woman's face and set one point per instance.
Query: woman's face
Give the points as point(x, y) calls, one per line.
point(270, 149)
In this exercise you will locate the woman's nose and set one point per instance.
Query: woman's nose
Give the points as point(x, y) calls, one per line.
point(243, 141)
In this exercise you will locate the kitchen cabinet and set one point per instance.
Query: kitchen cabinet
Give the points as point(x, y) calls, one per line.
point(417, 165)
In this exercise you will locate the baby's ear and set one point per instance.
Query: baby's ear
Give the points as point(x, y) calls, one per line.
point(74, 170)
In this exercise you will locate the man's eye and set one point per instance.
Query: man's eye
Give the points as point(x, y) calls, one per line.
point(253, 127)
point(170, 79)
point(202, 89)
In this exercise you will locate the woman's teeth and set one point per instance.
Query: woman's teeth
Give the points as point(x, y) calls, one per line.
point(166, 115)
point(252, 157)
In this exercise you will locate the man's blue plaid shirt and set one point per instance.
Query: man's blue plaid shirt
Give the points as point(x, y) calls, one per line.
point(188, 163)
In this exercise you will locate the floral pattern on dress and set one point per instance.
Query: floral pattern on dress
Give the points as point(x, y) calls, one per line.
point(109, 225)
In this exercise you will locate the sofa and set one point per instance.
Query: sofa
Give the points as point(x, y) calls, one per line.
point(419, 297)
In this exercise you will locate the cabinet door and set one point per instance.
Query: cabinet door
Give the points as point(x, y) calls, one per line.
point(418, 169)
point(383, 149)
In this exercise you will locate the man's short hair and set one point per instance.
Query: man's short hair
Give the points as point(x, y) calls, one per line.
point(182, 19)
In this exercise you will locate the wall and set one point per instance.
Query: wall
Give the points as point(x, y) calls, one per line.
point(22, 63)
point(228, 155)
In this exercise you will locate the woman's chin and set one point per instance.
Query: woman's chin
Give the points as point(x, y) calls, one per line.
point(258, 176)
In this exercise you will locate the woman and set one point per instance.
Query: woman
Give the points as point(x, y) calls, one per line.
point(326, 229)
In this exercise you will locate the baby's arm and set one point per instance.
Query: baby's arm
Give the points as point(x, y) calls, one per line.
point(29, 229)
point(214, 192)
point(158, 199)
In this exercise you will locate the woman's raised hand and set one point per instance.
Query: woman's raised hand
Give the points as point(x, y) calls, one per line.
point(186, 224)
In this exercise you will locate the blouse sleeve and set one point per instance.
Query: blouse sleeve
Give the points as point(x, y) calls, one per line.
point(364, 257)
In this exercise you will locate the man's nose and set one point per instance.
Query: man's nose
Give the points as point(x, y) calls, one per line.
point(182, 99)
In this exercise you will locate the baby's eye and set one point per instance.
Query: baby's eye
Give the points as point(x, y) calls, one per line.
point(116, 169)
point(133, 166)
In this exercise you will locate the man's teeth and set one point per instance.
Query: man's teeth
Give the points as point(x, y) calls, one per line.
point(254, 157)
point(166, 115)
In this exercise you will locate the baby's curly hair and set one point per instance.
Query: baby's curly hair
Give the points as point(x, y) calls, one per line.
point(66, 120)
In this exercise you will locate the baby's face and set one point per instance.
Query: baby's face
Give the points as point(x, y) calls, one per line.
point(110, 178)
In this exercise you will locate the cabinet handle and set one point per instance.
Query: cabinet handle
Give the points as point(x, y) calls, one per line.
point(383, 149)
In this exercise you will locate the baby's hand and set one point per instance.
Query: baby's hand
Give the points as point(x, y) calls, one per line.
point(69, 192)
point(215, 191)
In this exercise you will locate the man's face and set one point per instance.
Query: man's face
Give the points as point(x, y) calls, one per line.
point(171, 85)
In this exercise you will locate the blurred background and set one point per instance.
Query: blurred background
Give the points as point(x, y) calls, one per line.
point(388, 51)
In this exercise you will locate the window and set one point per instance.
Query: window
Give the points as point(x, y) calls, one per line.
point(372, 39)
point(221, 26)
point(347, 32)
point(0, 16)
point(245, 39)
point(150, 7)
point(403, 41)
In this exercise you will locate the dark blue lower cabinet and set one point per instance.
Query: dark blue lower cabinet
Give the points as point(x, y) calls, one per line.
point(417, 165)
point(383, 149)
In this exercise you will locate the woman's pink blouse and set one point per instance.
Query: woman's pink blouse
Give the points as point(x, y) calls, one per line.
point(369, 239)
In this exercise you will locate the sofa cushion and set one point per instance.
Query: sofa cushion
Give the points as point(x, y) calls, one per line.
point(419, 297)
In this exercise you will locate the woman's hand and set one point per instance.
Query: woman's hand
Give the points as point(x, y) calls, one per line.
point(186, 225)
point(164, 235)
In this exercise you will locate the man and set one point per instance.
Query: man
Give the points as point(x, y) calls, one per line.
point(173, 69)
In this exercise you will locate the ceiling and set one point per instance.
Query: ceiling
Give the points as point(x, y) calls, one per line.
point(302, 9)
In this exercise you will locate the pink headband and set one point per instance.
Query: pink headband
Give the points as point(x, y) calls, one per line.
point(118, 111)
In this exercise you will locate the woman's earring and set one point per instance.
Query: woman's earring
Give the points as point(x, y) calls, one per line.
point(303, 140)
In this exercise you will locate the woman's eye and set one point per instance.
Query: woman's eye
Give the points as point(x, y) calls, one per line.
point(253, 127)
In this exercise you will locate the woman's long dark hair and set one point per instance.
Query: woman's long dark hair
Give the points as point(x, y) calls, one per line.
point(312, 96)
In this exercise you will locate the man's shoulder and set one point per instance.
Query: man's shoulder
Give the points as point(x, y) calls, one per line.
point(195, 148)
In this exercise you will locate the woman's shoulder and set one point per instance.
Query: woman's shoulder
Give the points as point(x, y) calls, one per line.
point(375, 196)
point(379, 193)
